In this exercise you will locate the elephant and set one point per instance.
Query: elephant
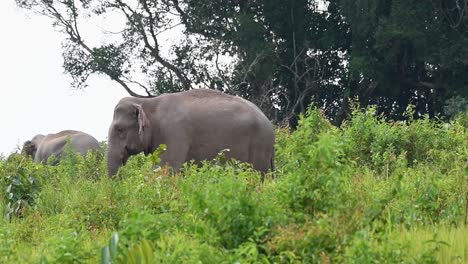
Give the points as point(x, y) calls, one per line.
point(194, 125)
point(41, 147)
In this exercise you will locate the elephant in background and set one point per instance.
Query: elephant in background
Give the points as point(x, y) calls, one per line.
point(41, 147)
point(194, 125)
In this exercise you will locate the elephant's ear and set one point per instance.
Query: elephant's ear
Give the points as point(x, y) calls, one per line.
point(143, 122)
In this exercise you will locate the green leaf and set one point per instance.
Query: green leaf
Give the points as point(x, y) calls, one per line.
point(114, 241)
point(105, 255)
point(43, 260)
point(147, 251)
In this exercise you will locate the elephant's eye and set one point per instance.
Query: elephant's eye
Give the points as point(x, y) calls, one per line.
point(119, 130)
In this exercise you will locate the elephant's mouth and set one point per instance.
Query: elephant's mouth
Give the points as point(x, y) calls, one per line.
point(125, 155)
point(124, 160)
point(131, 151)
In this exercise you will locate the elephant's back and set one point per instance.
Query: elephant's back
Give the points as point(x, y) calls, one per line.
point(214, 116)
point(65, 135)
point(210, 96)
point(54, 144)
point(206, 112)
point(209, 100)
point(203, 101)
point(83, 142)
point(214, 107)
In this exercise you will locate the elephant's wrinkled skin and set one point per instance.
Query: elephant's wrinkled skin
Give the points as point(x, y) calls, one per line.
point(41, 147)
point(194, 125)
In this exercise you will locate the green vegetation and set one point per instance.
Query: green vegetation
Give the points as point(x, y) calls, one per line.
point(368, 192)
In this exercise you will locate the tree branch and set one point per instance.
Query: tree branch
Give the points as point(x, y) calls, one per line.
point(71, 28)
point(154, 50)
point(220, 72)
point(139, 84)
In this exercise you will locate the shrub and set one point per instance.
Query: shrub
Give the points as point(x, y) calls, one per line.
point(22, 187)
point(227, 198)
point(315, 169)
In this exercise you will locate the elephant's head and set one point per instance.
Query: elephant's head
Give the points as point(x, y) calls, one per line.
point(129, 134)
point(30, 147)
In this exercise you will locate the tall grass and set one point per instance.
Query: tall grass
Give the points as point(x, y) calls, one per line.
point(449, 243)
point(371, 191)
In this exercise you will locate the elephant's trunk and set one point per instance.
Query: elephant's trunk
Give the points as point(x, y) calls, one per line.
point(114, 161)
point(112, 166)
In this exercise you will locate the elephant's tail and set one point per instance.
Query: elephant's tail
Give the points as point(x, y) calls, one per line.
point(272, 161)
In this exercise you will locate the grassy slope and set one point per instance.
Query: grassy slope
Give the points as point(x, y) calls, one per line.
point(370, 192)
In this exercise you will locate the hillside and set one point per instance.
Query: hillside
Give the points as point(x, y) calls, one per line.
point(371, 191)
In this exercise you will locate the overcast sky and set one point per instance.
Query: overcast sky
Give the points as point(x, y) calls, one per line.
point(36, 96)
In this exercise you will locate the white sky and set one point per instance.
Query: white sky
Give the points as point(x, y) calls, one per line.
point(35, 95)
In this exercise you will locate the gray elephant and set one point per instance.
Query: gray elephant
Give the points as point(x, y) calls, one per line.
point(41, 147)
point(194, 125)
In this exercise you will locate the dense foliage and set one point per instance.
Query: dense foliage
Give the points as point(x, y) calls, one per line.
point(282, 55)
point(368, 192)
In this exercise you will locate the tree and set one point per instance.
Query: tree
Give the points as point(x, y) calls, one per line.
point(282, 55)
point(276, 63)
point(288, 53)
point(407, 52)
point(136, 50)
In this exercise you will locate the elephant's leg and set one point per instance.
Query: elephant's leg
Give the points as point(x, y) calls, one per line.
point(260, 155)
point(261, 161)
point(176, 154)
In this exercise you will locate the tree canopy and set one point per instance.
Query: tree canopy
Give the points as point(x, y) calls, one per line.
point(282, 55)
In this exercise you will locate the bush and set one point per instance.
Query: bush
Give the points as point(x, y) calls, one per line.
point(227, 198)
point(317, 184)
point(22, 186)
